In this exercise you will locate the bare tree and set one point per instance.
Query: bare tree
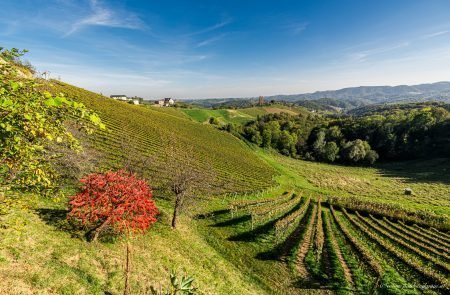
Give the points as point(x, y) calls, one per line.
point(185, 179)
point(175, 169)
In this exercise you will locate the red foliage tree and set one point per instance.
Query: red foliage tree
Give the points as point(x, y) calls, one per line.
point(118, 200)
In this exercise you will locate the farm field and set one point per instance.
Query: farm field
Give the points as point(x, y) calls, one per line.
point(274, 225)
point(239, 116)
point(313, 247)
point(141, 132)
point(281, 227)
point(224, 147)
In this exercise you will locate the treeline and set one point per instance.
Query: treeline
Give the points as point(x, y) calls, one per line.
point(392, 134)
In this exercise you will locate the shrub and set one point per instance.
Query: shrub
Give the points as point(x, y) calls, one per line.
point(116, 200)
point(181, 285)
point(30, 120)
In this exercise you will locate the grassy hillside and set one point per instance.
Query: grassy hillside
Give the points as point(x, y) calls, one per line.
point(41, 254)
point(225, 254)
point(223, 116)
point(149, 131)
point(239, 116)
point(293, 243)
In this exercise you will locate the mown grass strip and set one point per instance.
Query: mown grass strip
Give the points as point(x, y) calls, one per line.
point(305, 245)
point(433, 233)
point(365, 253)
point(281, 227)
point(363, 276)
point(408, 259)
point(410, 240)
point(370, 222)
point(249, 204)
point(264, 213)
point(424, 239)
point(342, 275)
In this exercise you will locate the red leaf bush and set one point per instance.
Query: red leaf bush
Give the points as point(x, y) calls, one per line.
point(117, 200)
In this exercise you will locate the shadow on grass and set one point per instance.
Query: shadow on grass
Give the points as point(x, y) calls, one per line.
point(284, 248)
point(233, 221)
point(311, 284)
point(58, 219)
point(211, 214)
point(252, 235)
point(434, 170)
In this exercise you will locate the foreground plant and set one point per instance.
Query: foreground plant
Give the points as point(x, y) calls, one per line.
point(30, 121)
point(182, 286)
point(116, 200)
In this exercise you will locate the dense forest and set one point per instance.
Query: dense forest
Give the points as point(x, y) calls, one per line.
point(395, 132)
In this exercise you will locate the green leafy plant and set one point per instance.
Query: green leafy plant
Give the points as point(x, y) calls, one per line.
point(178, 285)
point(31, 119)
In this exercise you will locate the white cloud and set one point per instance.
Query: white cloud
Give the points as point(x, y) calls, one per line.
point(210, 40)
point(297, 28)
point(435, 34)
point(105, 16)
point(362, 56)
point(211, 28)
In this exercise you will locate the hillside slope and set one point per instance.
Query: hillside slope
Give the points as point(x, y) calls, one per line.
point(149, 132)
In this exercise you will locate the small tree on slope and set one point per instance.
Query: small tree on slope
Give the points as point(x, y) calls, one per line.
point(117, 200)
point(184, 180)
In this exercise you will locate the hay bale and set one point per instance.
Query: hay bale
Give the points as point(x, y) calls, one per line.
point(408, 191)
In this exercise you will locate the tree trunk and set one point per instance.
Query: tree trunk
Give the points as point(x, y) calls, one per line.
point(99, 229)
point(176, 210)
point(127, 270)
point(175, 216)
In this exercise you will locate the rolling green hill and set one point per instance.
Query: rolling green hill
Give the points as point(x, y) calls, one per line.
point(149, 131)
point(294, 227)
point(238, 116)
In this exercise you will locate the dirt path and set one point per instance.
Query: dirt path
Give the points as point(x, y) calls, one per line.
point(347, 271)
point(306, 244)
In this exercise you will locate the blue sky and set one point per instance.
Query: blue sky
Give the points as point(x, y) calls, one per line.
point(232, 48)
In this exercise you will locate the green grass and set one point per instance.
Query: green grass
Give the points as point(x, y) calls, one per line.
point(223, 116)
point(150, 131)
point(238, 116)
point(36, 253)
point(429, 180)
point(39, 253)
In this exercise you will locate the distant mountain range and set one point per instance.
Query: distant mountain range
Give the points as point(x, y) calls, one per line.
point(351, 97)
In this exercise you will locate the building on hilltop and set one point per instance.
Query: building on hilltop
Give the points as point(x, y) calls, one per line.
point(136, 100)
point(166, 102)
point(119, 97)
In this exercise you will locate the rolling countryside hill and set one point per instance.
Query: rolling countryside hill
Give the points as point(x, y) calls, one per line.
point(150, 131)
point(348, 98)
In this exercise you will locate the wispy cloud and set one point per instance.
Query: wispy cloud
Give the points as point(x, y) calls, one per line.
point(296, 28)
point(435, 34)
point(102, 15)
point(210, 40)
point(212, 28)
point(362, 56)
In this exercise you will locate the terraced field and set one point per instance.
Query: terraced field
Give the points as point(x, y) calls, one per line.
point(326, 248)
point(148, 133)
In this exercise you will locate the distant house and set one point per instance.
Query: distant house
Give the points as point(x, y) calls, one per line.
point(119, 97)
point(166, 102)
point(159, 102)
point(136, 100)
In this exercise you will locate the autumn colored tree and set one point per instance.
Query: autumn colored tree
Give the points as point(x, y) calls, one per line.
point(117, 200)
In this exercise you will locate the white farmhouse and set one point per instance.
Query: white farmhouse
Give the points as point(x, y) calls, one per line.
point(119, 97)
point(168, 101)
